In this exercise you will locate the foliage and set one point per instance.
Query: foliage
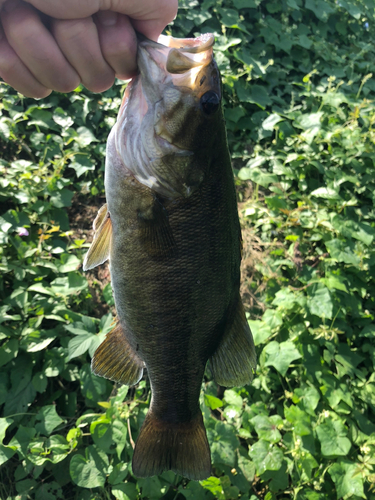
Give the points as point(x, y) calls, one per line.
point(300, 117)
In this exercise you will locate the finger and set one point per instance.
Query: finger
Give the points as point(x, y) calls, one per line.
point(152, 15)
point(78, 39)
point(149, 17)
point(118, 42)
point(14, 72)
point(36, 47)
point(67, 9)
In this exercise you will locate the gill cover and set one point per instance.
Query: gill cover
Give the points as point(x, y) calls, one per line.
point(163, 129)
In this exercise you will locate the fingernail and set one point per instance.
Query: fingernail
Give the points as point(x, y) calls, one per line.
point(10, 5)
point(107, 17)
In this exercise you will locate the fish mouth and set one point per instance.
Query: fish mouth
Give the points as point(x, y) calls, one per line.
point(173, 75)
point(176, 61)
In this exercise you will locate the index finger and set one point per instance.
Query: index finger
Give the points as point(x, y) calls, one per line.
point(149, 16)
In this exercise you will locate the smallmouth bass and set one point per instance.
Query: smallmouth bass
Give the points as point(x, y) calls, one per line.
point(171, 231)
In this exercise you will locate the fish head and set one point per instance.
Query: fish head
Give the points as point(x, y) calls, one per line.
point(170, 115)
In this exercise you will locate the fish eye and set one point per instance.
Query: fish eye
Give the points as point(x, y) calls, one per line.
point(210, 102)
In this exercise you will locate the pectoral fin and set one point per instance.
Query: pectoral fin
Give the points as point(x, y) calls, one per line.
point(155, 232)
point(116, 360)
point(235, 360)
point(100, 247)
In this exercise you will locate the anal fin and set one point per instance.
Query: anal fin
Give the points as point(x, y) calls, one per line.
point(116, 360)
point(234, 361)
point(100, 247)
point(181, 447)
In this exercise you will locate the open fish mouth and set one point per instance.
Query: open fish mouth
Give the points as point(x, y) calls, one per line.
point(183, 59)
point(162, 108)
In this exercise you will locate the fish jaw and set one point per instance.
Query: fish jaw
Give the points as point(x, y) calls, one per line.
point(161, 115)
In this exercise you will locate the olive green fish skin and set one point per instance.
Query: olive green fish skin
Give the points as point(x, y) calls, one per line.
point(175, 309)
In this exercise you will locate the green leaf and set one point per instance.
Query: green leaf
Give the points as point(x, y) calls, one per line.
point(62, 198)
point(48, 420)
point(89, 471)
point(321, 8)
point(4, 129)
point(94, 388)
point(213, 484)
point(8, 351)
point(326, 193)
point(39, 382)
point(352, 229)
point(224, 444)
point(85, 137)
point(125, 491)
point(347, 361)
point(119, 473)
point(347, 480)
point(333, 438)
point(342, 252)
point(231, 397)
point(212, 402)
point(266, 429)
point(319, 301)
point(108, 294)
point(307, 121)
point(309, 397)
point(261, 331)
point(194, 491)
point(279, 478)
point(281, 355)
point(301, 421)
point(69, 285)
point(62, 118)
point(266, 456)
point(247, 467)
point(6, 452)
point(257, 176)
point(82, 164)
point(271, 120)
point(80, 344)
point(68, 263)
point(150, 488)
point(258, 95)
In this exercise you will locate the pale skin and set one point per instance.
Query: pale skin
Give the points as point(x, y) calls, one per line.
point(50, 45)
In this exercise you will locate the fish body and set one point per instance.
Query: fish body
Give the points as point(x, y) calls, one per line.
point(171, 231)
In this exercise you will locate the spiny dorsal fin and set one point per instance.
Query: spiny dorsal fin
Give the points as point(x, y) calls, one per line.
point(235, 360)
point(100, 247)
point(116, 360)
point(180, 447)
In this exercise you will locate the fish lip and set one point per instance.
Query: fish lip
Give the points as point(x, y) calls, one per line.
point(177, 61)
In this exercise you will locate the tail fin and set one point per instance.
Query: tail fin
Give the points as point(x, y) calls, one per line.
point(182, 448)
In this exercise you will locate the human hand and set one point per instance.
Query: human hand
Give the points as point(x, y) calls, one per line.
point(50, 45)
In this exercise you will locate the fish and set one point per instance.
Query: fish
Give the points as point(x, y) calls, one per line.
point(171, 231)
